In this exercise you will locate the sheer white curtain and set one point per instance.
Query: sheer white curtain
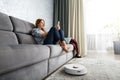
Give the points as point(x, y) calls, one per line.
point(102, 22)
point(76, 24)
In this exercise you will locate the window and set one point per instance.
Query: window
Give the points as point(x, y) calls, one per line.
point(102, 22)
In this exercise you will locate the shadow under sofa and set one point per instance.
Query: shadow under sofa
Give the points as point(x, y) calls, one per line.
point(21, 58)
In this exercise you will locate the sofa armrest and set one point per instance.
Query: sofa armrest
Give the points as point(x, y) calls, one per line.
point(17, 56)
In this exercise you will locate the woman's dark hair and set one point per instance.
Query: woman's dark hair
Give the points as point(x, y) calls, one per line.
point(38, 21)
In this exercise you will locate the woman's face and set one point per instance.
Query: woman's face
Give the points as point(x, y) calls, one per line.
point(41, 24)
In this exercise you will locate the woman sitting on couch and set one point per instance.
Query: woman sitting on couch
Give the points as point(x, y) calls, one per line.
point(55, 35)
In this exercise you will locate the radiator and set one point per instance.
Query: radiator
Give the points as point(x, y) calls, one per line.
point(91, 42)
point(99, 41)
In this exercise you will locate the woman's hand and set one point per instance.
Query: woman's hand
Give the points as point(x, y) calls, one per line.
point(45, 32)
point(43, 29)
point(58, 27)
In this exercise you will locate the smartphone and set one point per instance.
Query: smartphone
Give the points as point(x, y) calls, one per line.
point(58, 23)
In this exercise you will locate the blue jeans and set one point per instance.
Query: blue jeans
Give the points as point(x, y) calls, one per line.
point(54, 36)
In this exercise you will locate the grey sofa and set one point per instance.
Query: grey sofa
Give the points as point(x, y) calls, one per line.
point(21, 58)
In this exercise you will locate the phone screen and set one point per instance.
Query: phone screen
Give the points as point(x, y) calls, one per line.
point(58, 22)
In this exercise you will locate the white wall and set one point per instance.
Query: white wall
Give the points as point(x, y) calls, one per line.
point(29, 10)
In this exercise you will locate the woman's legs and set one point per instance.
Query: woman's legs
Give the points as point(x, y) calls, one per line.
point(54, 36)
point(62, 41)
point(61, 33)
point(64, 45)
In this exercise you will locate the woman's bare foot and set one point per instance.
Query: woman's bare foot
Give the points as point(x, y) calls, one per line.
point(66, 48)
point(60, 43)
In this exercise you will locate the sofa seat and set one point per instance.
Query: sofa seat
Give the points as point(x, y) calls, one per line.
point(32, 72)
point(16, 56)
point(56, 50)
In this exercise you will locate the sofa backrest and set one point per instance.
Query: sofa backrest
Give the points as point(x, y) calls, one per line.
point(15, 31)
point(7, 36)
point(23, 30)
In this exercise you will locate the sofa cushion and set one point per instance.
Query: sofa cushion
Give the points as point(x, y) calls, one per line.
point(17, 56)
point(32, 72)
point(21, 25)
point(56, 50)
point(25, 38)
point(5, 23)
point(8, 38)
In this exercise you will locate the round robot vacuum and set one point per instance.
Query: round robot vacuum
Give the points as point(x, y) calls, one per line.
point(75, 69)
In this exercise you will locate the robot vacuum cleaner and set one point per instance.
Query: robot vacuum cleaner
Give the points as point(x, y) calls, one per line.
point(75, 69)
